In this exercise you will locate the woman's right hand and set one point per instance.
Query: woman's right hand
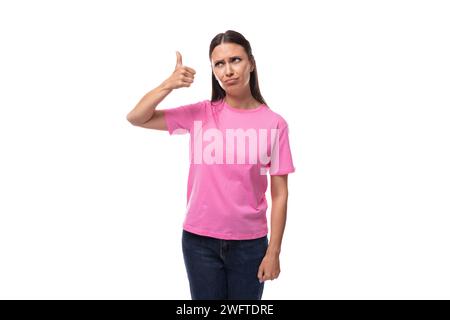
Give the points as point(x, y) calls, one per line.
point(182, 76)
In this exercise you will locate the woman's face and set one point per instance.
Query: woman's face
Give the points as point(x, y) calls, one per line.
point(230, 61)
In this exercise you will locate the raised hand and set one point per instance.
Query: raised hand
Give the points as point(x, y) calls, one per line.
point(182, 76)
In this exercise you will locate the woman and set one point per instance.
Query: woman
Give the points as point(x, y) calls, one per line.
point(224, 239)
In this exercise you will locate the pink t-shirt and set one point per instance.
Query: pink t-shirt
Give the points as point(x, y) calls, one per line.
point(231, 152)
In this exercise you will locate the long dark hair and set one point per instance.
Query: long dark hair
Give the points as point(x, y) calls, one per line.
point(231, 36)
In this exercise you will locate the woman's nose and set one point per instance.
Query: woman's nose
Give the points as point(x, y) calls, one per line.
point(228, 69)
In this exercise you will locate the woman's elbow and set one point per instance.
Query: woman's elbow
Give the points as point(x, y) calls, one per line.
point(131, 118)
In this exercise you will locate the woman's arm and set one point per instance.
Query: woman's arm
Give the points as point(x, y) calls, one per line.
point(144, 113)
point(270, 266)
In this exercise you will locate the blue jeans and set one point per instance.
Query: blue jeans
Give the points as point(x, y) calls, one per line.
point(223, 269)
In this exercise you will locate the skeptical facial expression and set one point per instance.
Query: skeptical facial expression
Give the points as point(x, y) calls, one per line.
point(231, 66)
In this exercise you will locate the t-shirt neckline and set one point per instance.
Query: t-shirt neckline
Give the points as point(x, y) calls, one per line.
point(242, 110)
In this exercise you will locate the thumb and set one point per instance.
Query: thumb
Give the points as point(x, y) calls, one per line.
point(260, 273)
point(179, 60)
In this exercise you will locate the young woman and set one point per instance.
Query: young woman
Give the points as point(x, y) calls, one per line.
point(224, 238)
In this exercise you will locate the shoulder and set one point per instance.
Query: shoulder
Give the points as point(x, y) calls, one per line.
point(200, 104)
point(193, 108)
point(277, 118)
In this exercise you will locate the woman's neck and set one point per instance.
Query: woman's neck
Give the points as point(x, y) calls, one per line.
point(240, 103)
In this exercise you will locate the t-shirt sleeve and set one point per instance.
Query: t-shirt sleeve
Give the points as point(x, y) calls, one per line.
point(281, 162)
point(180, 120)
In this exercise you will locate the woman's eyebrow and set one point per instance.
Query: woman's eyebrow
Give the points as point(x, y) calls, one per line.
point(231, 58)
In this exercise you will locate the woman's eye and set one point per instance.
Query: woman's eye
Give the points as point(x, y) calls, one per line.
point(233, 60)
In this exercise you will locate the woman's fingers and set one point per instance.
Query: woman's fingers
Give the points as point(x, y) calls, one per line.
point(190, 70)
point(179, 63)
point(183, 76)
point(187, 74)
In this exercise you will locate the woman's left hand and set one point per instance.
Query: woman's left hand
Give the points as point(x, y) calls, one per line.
point(269, 268)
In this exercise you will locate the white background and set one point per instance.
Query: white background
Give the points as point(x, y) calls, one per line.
point(92, 207)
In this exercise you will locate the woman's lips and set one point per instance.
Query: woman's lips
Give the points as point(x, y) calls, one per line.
point(231, 81)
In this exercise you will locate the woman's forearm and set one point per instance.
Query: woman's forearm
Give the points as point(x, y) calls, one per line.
point(278, 223)
point(145, 108)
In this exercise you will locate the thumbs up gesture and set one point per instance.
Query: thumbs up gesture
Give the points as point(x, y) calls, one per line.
point(182, 76)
